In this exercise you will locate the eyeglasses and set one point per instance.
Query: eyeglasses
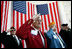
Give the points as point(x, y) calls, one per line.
point(13, 30)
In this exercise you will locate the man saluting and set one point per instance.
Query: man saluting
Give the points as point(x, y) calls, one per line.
point(31, 34)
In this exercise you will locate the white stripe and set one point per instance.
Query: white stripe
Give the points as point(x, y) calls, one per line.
point(3, 16)
point(6, 16)
point(26, 10)
point(19, 19)
point(43, 22)
point(23, 18)
point(15, 19)
point(49, 13)
point(30, 10)
point(47, 22)
point(35, 9)
point(57, 16)
point(53, 15)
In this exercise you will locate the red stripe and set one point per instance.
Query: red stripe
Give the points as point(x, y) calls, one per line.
point(51, 12)
point(58, 14)
point(7, 16)
point(55, 17)
point(42, 24)
point(2, 12)
point(25, 18)
point(48, 18)
point(13, 18)
point(28, 11)
point(21, 18)
point(31, 10)
point(45, 22)
point(17, 20)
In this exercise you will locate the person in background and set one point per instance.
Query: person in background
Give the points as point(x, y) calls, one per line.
point(31, 34)
point(10, 41)
point(65, 33)
point(55, 41)
point(47, 38)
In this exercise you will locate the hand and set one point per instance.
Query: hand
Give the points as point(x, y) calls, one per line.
point(35, 17)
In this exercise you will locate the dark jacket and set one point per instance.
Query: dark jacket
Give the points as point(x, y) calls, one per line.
point(9, 41)
point(66, 36)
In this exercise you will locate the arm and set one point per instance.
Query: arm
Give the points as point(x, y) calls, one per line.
point(23, 30)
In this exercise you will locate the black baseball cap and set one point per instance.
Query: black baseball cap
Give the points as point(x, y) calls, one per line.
point(64, 25)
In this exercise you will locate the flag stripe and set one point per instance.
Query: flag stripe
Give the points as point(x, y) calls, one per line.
point(7, 16)
point(31, 9)
point(55, 17)
point(58, 14)
point(42, 24)
point(45, 22)
point(48, 18)
point(17, 20)
point(21, 18)
point(28, 11)
point(2, 11)
point(51, 12)
point(13, 18)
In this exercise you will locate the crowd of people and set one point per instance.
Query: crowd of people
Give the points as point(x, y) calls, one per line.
point(34, 38)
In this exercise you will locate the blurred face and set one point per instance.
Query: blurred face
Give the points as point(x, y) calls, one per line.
point(37, 23)
point(65, 27)
point(53, 27)
point(13, 31)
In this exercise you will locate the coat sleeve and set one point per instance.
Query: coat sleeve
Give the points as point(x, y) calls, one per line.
point(3, 36)
point(24, 29)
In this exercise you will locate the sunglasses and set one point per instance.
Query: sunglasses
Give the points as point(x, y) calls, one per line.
point(13, 30)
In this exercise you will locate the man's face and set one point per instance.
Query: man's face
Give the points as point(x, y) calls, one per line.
point(53, 27)
point(13, 31)
point(64, 27)
point(37, 23)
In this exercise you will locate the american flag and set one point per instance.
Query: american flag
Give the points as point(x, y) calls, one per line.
point(49, 13)
point(24, 10)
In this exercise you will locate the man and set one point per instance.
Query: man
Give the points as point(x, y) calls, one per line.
point(66, 35)
point(10, 41)
point(54, 38)
point(31, 34)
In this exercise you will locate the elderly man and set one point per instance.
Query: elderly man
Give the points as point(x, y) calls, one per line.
point(66, 35)
point(11, 41)
point(31, 34)
point(55, 39)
